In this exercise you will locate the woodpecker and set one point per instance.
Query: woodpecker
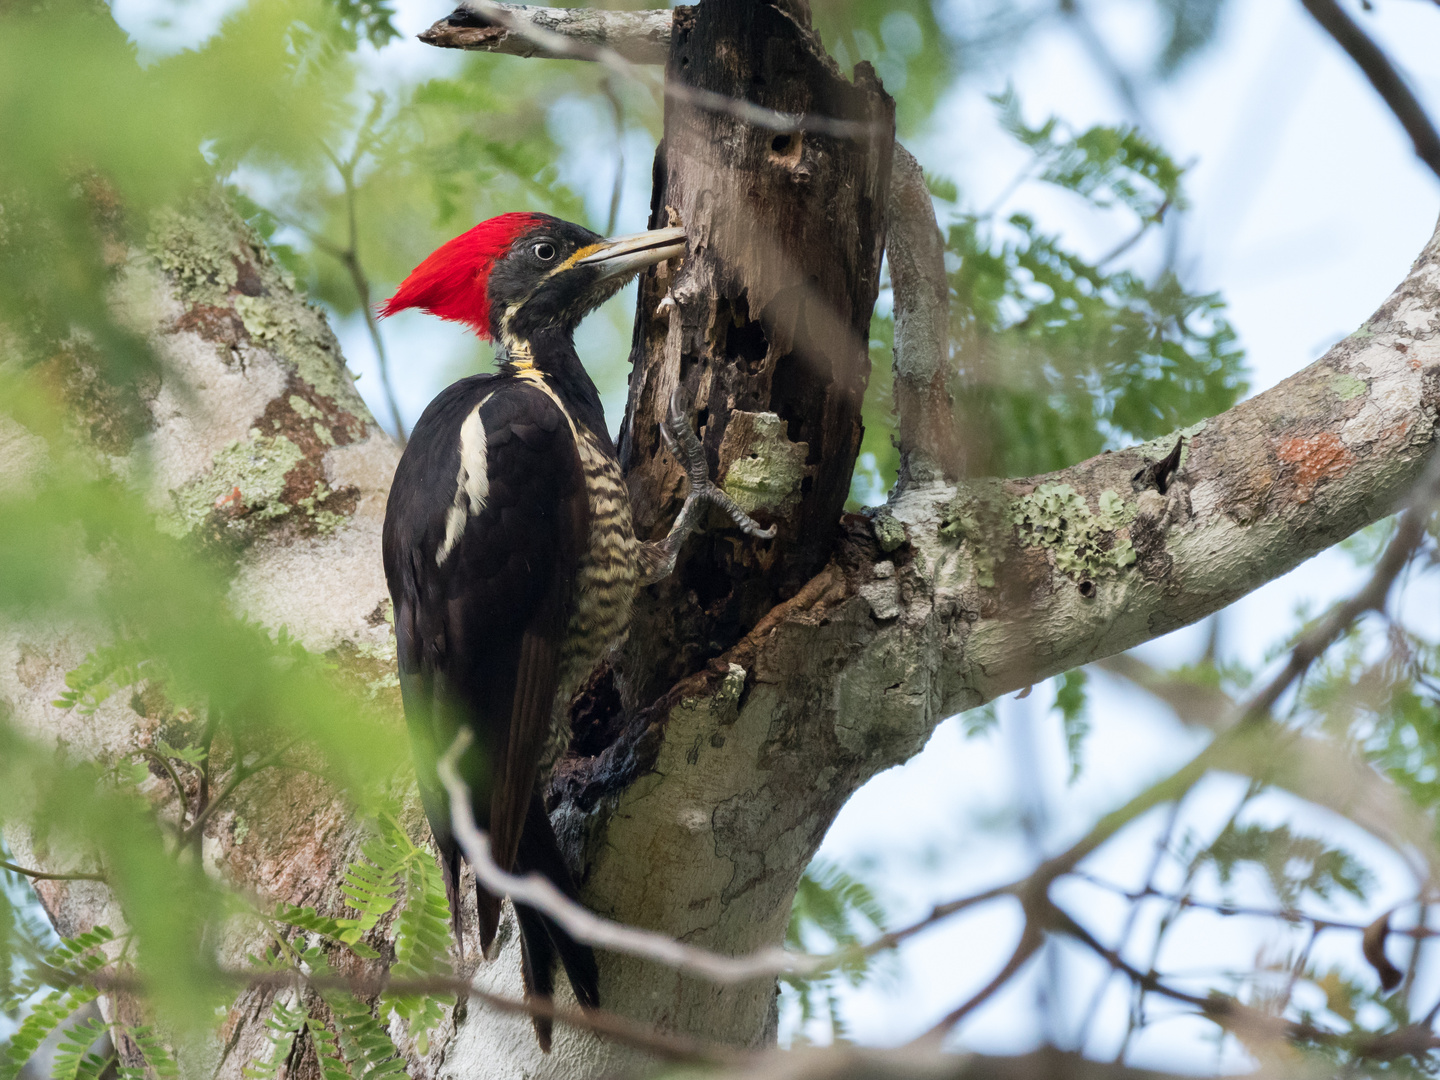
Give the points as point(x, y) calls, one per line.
point(509, 550)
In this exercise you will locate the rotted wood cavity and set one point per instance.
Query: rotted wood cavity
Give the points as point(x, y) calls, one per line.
point(764, 326)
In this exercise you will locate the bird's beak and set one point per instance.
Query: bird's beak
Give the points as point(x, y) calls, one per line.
point(621, 256)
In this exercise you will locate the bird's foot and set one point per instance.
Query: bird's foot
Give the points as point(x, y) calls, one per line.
point(681, 441)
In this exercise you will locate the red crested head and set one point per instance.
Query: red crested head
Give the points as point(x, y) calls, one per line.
point(453, 281)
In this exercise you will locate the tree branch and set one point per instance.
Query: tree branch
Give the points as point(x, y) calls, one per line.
point(556, 34)
point(929, 447)
point(534, 890)
point(1388, 82)
point(43, 875)
point(1411, 533)
point(641, 37)
point(585, 926)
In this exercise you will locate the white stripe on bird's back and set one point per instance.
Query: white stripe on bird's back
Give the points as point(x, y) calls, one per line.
point(472, 482)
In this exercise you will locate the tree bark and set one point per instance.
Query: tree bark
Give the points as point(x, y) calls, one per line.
point(762, 685)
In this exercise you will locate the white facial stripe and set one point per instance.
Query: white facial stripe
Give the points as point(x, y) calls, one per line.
point(472, 482)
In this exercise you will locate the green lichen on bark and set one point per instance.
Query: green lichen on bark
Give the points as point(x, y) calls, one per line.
point(214, 258)
point(769, 475)
point(326, 521)
point(1347, 387)
point(1084, 543)
point(889, 533)
point(198, 251)
point(978, 516)
point(246, 480)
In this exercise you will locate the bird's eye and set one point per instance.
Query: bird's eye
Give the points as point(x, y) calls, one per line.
point(544, 251)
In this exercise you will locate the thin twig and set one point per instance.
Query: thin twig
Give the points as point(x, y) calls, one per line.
point(180, 791)
point(1157, 218)
point(241, 774)
point(350, 259)
point(618, 188)
point(1291, 915)
point(42, 875)
point(1388, 82)
point(519, 21)
point(584, 925)
point(1030, 942)
point(1411, 1039)
point(1162, 845)
point(663, 1045)
point(202, 796)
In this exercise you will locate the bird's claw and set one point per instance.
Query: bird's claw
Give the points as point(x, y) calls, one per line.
point(681, 440)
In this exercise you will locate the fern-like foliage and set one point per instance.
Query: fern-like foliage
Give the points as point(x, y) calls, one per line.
point(370, 884)
point(327, 1051)
point(157, 1055)
point(393, 862)
point(281, 1027)
point(367, 1050)
point(832, 910)
point(9, 933)
point(347, 932)
point(73, 1057)
point(46, 1015)
point(359, 1048)
point(422, 942)
point(106, 670)
point(64, 966)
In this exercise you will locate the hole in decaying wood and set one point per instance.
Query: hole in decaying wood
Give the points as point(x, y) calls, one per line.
point(785, 148)
point(746, 346)
point(596, 714)
point(1087, 589)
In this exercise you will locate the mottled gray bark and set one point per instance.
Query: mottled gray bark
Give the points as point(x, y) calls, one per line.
point(708, 769)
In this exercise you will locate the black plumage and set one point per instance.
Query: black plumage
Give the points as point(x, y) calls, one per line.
point(480, 632)
point(509, 549)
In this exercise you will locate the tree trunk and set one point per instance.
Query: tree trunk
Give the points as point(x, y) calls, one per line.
point(763, 683)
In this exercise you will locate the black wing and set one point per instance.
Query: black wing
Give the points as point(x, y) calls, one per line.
point(481, 574)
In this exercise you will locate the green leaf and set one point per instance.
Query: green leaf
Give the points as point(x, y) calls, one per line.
point(1292, 863)
point(833, 909)
point(327, 1050)
point(45, 1016)
point(281, 1027)
point(191, 755)
point(72, 1054)
point(365, 1045)
point(157, 1054)
point(347, 932)
point(1070, 701)
point(422, 945)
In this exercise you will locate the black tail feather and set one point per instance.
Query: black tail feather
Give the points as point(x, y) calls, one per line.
point(487, 907)
point(537, 966)
point(540, 852)
point(450, 871)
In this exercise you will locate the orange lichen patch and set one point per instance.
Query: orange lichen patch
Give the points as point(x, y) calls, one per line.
point(1315, 458)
